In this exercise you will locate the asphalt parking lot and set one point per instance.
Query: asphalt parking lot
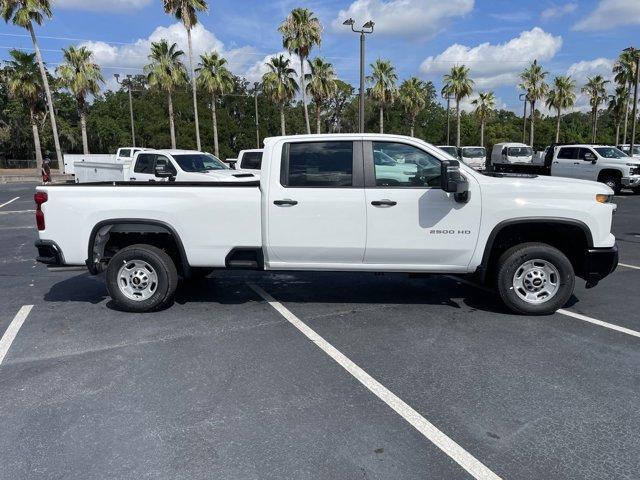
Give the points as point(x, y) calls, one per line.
point(314, 375)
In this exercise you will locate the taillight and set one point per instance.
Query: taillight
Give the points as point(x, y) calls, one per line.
point(40, 198)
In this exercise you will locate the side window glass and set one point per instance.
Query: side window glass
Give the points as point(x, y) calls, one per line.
point(252, 160)
point(568, 153)
point(587, 155)
point(144, 164)
point(125, 153)
point(319, 164)
point(401, 165)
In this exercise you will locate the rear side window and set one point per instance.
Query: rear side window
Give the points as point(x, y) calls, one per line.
point(252, 160)
point(569, 153)
point(144, 163)
point(318, 164)
point(125, 153)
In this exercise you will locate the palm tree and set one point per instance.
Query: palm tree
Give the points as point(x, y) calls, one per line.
point(215, 78)
point(485, 103)
point(82, 77)
point(561, 97)
point(617, 108)
point(535, 86)
point(384, 89)
point(280, 84)
point(166, 72)
point(458, 83)
point(25, 84)
point(321, 86)
point(24, 13)
point(301, 30)
point(186, 12)
point(595, 89)
point(625, 74)
point(413, 97)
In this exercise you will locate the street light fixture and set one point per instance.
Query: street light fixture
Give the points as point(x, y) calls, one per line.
point(524, 98)
point(366, 29)
point(448, 97)
point(127, 83)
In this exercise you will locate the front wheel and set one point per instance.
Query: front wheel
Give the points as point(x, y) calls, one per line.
point(613, 183)
point(535, 279)
point(141, 278)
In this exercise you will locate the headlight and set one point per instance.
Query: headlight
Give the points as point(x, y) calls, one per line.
point(602, 198)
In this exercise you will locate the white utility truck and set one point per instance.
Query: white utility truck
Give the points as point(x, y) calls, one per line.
point(512, 157)
point(626, 148)
point(324, 203)
point(475, 157)
point(122, 156)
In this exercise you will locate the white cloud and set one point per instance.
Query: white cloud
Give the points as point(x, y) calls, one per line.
point(579, 71)
point(467, 106)
point(422, 18)
point(254, 72)
point(609, 14)
point(494, 65)
point(102, 5)
point(558, 11)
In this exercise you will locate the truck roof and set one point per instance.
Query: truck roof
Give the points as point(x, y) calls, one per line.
point(340, 136)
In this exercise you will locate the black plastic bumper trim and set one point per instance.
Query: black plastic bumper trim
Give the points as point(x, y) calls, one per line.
point(600, 262)
point(49, 253)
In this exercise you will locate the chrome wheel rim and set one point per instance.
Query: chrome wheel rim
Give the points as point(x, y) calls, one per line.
point(137, 280)
point(536, 281)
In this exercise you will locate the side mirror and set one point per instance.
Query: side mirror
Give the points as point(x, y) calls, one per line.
point(590, 157)
point(162, 170)
point(452, 180)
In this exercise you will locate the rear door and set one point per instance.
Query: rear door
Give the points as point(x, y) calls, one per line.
point(411, 222)
point(315, 206)
point(566, 163)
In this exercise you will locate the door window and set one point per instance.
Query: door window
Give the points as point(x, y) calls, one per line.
point(252, 160)
point(586, 154)
point(145, 164)
point(569, 153)
point(168, 166)
point(402, 165)
point(318, 164)
point(125, 153)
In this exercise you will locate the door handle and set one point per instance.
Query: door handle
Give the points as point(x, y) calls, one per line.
point(286, 201)
point(576, 163)
point(132, 178)
point(383, 203)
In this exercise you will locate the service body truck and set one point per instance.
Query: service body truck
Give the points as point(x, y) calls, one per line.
point(474, 156)
point(511, 157)
point(322, 203)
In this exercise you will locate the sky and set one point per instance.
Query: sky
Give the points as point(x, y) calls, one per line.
point(497, 39)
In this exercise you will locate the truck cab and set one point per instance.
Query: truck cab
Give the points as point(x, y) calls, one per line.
point(474, 156)
point(505, 155)
point(626, 148)
point(249, 160)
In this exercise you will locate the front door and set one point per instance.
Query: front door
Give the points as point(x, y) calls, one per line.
point(316, 210)
point(411, 221)
point(566, 163)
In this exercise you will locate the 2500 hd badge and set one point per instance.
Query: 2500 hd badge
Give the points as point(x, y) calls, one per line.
point(449, 232)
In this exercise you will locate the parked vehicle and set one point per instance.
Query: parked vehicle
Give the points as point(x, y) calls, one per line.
point(322, 203)
point(511, 157)
point(122, 156)
point(626, 148)
point(475, 157)
point(249, 160)
point(451, 150)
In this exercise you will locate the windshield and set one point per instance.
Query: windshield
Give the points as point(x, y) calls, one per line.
point(610, 152)
point(474, 152)
point(199, 162)
point(453, 151)
point(519, 151)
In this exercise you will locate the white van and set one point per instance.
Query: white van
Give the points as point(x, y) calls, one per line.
point(511, 153)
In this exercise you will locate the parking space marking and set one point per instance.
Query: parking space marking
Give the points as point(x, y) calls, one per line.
point(10, 201)
point(629, 266)
point(16, 211)
point(12, 330)
point(463, 458)
point(595, 321)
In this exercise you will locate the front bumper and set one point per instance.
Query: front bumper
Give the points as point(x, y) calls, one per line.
point(599, 262)
point(632, 181)
point(49, 253)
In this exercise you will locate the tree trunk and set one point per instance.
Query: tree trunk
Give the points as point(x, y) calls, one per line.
point(47, 89)
point(595, 124)
point(194, 89)
point(482, 133)
point(617, 133)
point(172, 126)
point(36, 140)
point(215, 126)
point(282, 129)
point(558, 127)
point(458, 122)
point(626, 116)
point(532, 121)
point(83, 128)
point(304, 95)
point(318, 129)
point(381, 119)
point(413, 125)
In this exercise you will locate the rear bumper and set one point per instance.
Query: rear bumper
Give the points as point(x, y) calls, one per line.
point(49, 253)
point(600, 262)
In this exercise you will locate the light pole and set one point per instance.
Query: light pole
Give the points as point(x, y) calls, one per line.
point(366, 28)
point(448, 97)
point(127, 83)
point(523, 98)
point(255, 102)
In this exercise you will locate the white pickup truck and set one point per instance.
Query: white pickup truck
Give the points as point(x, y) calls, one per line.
point(323, 203)
point(249, 160)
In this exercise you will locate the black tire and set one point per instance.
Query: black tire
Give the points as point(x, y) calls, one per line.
point(516, 258)
point(612, 182)
point(161, 264)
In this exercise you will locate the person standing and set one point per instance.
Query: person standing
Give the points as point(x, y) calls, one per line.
point(46, 170)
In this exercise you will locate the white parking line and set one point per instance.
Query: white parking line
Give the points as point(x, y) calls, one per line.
point(16, 211)
point(595, 321)
point(12, 330)
point(10, 201)
point(463, 458)
point(629, 266)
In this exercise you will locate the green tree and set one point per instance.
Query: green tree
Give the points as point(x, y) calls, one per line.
point(338, 103)
point(166, 72)
point(186, 12)
point(485, 104)
point(279, 84)
point(624, 70)
point(561, 97)
point(321, 85)
point(533, 83)
point(458, 84)
point(595, 89)
point(384, 90)
point(25, 85)
point(413, 97)
point(301, 30)
point(82, 77)
point(617, 108)
point(24, 13)
point(215, 78)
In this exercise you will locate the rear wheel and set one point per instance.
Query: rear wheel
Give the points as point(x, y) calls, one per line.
point(613, 183)
point(141, 278)
point(535, 279)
